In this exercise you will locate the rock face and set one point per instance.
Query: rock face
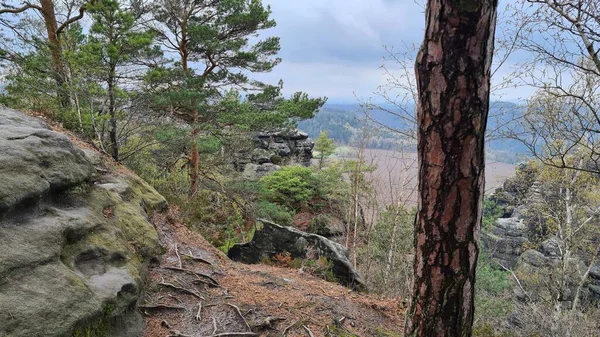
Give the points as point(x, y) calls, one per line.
point(273, 149)
point(506, 240)
point(74, 238)
point(273, 239)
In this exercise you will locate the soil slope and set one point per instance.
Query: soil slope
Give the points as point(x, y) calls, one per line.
point(197, 291)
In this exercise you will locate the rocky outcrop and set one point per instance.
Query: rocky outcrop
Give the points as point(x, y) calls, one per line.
point(75, 236)
point(506, 240)
point(273, 239)
point(273, 149)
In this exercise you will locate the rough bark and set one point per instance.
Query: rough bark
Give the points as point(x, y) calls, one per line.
point(55, 46)
point(453, 77)
point(112, 108)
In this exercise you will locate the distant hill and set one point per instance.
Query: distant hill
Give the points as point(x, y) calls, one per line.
point(346, 125)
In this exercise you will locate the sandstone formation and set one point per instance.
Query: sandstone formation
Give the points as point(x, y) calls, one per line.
point(74, 233)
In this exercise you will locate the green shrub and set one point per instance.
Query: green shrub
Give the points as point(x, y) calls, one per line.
point(491, 212)
point(276, 213)
point(292, 186)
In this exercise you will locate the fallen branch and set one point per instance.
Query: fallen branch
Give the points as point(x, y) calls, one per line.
point(183, 290)
point(215, 328)
point(240, 313)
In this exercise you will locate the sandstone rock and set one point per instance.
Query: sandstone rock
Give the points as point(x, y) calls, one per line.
point(506, 240)
point(273, 239)
point(273, 149)
point(74, 243)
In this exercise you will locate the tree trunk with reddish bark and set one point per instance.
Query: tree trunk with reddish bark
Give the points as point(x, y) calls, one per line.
point(453, 76)
point(55, 46)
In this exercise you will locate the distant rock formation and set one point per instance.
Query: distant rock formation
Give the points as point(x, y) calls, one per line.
point(273, 239)
point(505, 241)
point(510, 242)
point(75, 237)
point(273, 149)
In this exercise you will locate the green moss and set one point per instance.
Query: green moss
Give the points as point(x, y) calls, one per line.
point(100, 327)
point(336, 331)
point(147, 196)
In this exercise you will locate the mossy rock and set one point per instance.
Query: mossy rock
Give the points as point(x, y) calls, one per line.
point(75, 243)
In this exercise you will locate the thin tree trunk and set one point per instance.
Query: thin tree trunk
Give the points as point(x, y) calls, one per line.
point(453, 77)
point(54, 43)
point(112, 108)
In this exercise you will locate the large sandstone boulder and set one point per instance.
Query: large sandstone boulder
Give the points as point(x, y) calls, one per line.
point(74, 238)
point(273, 239)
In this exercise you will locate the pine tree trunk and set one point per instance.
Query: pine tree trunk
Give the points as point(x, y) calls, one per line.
point(54, 44)
point(453, 77)
point(112, 108)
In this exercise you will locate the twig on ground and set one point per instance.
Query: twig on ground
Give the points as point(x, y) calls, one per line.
point(178, 257)
point(183, 290)
point(198, 314)
point(240, 313)
point(289, 327)
point(308, 330)
point(215, 328)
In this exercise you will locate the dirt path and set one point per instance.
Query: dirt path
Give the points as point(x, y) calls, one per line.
point(196, 291)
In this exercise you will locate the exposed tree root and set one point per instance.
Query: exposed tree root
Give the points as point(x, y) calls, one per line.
point(213, 283)
point(240, 313)
point(161, 307)
point(180, 289)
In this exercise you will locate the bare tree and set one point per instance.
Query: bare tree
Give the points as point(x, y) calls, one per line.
point(563, 39)
point(453, 79)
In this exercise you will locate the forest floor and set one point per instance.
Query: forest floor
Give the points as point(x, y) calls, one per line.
point(197, 291)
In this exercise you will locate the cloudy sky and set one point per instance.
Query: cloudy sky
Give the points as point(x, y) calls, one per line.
point(334, 48)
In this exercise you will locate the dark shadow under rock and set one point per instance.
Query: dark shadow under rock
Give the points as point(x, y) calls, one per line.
point(273, 239)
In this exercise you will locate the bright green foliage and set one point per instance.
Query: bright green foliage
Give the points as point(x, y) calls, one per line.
point(292, 186)
point(116, 44)
point(324, 146)
point(273, 212)
point(491, 212)
point(493, 297)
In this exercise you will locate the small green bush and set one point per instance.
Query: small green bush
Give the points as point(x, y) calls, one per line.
point(491, 212)
point(292, 186)
point(276, 213)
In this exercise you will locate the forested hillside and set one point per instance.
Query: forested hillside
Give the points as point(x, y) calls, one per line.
point(159, 178)
point(346, 124)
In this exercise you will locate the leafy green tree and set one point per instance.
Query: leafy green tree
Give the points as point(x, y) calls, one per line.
point(325, 147)
point(119, 45)
point(54, 31)
point(215, 36)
